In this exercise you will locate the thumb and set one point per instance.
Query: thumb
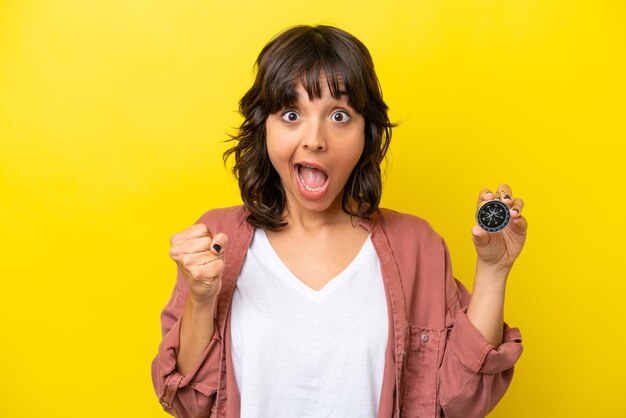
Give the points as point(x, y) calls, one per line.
point(218, 243)
point(480, 236)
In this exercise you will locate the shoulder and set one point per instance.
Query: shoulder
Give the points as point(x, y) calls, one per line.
point(227, 219)
point(404, 226)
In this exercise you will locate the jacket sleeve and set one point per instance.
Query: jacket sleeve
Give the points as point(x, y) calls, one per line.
point(191, 395)
point(474, 375)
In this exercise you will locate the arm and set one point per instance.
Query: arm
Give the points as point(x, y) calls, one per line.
point(474, 374)
point(496, 254)
point(186, 369)
point(185, 390)
point(196, 332)
point(486, 307)
point(481, 350)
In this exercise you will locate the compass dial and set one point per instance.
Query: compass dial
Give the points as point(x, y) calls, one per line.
point(493, 216)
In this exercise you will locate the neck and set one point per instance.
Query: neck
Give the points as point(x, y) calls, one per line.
point(299, 218)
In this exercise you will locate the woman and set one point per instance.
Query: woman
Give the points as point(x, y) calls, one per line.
point(309, 300)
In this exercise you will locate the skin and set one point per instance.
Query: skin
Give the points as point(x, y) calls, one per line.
point(326, 132)
point(200, 262)
point(496, 254)
point(327, 240)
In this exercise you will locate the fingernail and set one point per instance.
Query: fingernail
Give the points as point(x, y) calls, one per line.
point(515, 210)
point(217, 247)
point(507, 196)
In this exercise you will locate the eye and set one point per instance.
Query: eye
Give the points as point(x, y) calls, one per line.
point(290, 116)
point(340, 116)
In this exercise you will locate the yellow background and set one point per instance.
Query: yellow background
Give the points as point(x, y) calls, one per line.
point(112, 121)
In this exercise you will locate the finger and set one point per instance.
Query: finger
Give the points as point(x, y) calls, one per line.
point(195, 231)
point(191, 246)
point(219, 242)
point(188, 261)
point(480, 236)
point(519, 225)
point(484, 196)
point(210, 270)
point(504, 192)
point(516, 207)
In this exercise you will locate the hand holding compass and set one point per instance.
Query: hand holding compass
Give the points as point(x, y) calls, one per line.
point(500, 232)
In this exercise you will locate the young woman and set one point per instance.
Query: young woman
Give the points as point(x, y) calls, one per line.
point(310, 300)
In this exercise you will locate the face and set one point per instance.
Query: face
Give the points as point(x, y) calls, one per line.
point(314, 146)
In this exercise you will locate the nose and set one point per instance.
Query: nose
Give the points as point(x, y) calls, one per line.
point(314, 138)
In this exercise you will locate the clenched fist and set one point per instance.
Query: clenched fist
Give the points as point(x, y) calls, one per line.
point(199, 256)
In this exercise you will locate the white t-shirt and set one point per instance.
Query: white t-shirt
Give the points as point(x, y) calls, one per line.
point(298, 352)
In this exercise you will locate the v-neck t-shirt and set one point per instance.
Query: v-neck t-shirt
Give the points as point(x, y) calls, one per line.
point(300, 352)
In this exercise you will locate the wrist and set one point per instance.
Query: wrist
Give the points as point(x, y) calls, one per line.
point(494, 270)
point(201, 305)
point(491, 279)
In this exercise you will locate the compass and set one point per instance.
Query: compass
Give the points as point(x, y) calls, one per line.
point(493, 216)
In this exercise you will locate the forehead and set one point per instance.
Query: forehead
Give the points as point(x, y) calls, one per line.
point(286, 87)
point(323, 90)
point(310, 89)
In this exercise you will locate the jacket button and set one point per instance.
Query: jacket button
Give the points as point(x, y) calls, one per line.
point(424, 337)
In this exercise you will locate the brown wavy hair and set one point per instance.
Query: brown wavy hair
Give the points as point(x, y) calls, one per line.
point(301, 54)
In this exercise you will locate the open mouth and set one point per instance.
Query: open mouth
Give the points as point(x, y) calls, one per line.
point(313, 179)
